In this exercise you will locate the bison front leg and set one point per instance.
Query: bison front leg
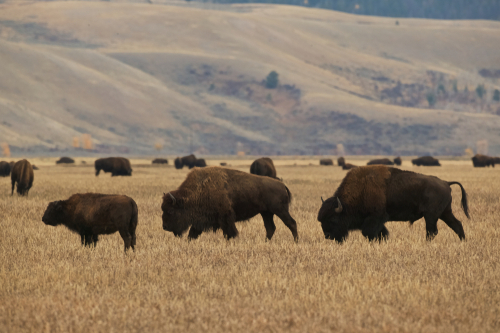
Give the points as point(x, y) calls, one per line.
point(373, 228)
point(269, 224)
point(431, 227)
point(194, 233)
point(228, 227)
point(13, 184)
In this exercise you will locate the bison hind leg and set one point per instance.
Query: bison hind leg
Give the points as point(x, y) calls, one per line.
point(127, 239)
point(453, 222)
point(290, 223)
point(269, 224)
point(431, 227)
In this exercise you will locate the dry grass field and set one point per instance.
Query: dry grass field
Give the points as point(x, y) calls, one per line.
point(50, 283)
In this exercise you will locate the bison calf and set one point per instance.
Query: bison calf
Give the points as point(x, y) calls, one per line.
point(22, 174)
point(93, 214)
point(368, 197)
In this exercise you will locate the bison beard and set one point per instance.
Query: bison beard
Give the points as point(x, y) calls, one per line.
point(214, 197)
point(368, 197)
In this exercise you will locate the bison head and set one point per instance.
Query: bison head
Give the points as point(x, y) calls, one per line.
point(174, 217)
point(178, 163)
point(54, 214)
point(330, 216)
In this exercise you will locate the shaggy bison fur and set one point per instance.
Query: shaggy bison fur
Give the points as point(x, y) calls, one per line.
point(93, 214)
point(4, 169)
point(368, 197)
point(341, 161)
point(326, 161)
point(380, 161)
point(481, 161)
point(118, 166)
point(160, 161)
point(22, 174)
point(215, 197)
point(263, 166)
point(65, 160)
point(425, 161)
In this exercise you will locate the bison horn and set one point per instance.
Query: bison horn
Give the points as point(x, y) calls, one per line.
point(339, 207)
point(173, 198)
point(323, 201)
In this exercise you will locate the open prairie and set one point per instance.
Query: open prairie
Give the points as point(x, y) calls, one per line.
point(50, 283)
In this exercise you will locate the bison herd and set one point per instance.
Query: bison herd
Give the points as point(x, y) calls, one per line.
point(216, 198)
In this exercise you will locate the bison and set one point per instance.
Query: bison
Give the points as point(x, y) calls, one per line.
point(160, 161)
point(481, 161)
point(341, 161)
point(263, 166)
point(4, 169)
point(214, 197)
point(22, 174)
point(65, 160)
point(380, 161)
point(425, 161)
point(326, 161)
point(398, 161)
point(370, 196)
point(118, 166)
point(348, 166)
point(94, 214)
point(188, 161)
point(200, 163)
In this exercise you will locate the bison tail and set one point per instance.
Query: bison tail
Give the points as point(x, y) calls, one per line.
point(465, 205)
point(289, 194)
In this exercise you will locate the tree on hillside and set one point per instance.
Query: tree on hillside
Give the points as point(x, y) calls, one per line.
point(496, 95)
point(272, 80)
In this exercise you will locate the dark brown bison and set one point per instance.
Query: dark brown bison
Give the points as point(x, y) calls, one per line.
point(348, 166)
point(341, 161)
point(223, 164)
point(263, 166)
point(4, 169)
point(93, 214)
point(22, 174)
point(398, 161)
point(65, 160)
point(118, 166)
point(214, 197)
point(425, 161)
point(481, 161)
point(496, 160)
point(370, 196)
point(326, 161)
point(35, 167)
point(200, 163)
point(160, 161)
point(188, 161)
point(380, 161)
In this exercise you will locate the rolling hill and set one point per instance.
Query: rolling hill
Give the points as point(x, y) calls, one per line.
point(190, 77)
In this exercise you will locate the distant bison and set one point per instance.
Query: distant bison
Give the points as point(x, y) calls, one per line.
point(326, 161)
point(65, 160)
point(188, 161)
point(340, 161)
point(160, 161)
point(263, 166)
point(22, 174)
point(214, 197)
point(425, 161)
point(223, 164)
point(4, 169)
point(35, 167)
point(200, 163)
point(380, 161)
point(481, 161)
point(348, 166)
point(398, 161)
point(118, 166)
point(370, 196)
point(93, 214)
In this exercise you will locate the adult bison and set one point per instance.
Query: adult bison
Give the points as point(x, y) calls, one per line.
point(22, 174)
point(263, 166)
point(481, 161)
point(341, 161)
point(380, 161)
point(65, 160)
point(94, 214)
point(188, 161)
point(326, 161)
point(348, 166)
point(214, 197)
point(370, 196)
point(425, 161)
point(398, 161)
point(160, 161)
point(4, 169)
point(118, 166)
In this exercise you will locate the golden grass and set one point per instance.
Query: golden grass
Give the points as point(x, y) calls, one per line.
point(50, 283)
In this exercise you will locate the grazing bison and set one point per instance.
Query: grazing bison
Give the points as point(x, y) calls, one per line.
point(263, 166)
point(4, 169)
point(370, 196)
point(341, 161)
point(188, 161)
point(160, 161)
point(326, 161)
point(94, 214)
point(65, 160)
point(223, 164)
point(212, 198)
point(22, 174)
point(380, 161)
point(200, 163)
point(481, 161)
point(118, 166)
point(348, 166)
point(398, 161)
point(425, 161)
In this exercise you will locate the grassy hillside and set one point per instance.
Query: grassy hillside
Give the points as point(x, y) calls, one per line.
point(136, 74)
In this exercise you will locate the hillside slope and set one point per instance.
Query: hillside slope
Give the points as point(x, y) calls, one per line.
point(134, 75)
